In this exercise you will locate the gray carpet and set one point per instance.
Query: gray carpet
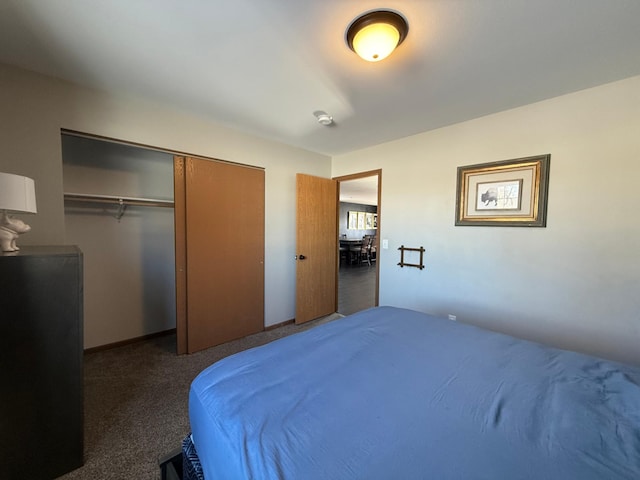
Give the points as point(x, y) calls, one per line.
point(136, 402)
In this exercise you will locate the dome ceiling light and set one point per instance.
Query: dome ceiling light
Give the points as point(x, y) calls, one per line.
point(375, 35)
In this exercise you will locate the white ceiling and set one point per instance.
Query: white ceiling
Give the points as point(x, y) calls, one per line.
point(264, 66)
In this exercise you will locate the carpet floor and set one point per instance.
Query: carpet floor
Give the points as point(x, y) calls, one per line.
point(135, 402)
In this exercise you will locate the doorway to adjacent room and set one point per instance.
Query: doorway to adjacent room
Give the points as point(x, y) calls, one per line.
point(358, 225)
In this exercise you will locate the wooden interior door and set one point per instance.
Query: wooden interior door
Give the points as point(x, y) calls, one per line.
point(317, 247)
point(219, 252)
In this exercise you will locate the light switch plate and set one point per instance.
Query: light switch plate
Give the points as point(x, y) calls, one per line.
point(385, 244)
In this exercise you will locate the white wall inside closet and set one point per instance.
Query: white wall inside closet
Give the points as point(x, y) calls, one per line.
point(129, 265)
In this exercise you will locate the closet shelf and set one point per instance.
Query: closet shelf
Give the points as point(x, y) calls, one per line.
point(122, 202)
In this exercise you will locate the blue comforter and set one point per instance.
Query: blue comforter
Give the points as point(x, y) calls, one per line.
point(395, 394)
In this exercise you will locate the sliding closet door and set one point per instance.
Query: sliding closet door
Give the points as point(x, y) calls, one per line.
point(219, 252)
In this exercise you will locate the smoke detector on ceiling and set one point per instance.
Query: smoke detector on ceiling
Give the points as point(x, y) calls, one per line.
point(323, 118)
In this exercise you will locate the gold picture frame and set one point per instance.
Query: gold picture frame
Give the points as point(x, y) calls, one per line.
point(506, 193)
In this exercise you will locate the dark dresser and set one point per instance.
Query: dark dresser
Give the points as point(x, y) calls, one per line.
point(41, 339)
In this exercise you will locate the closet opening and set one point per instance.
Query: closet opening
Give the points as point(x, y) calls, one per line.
point(119, 211)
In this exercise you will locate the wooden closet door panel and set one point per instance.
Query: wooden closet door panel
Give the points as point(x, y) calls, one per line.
point(224, 210)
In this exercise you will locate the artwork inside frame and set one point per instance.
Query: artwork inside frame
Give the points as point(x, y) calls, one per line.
point(352, 220)
point(368, 221)
point(505, 193)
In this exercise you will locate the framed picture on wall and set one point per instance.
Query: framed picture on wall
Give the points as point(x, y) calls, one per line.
point(352, 220)
point(375, 220)
point(368, 221)
point(506, 193)
point(361, 220)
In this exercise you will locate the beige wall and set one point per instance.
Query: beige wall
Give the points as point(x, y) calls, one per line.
point(575, 283)
point(35, 108)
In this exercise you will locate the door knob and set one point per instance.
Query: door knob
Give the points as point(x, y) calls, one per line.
point(301, 257)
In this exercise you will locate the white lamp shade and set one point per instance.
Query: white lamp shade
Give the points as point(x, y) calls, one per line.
point(17, 193)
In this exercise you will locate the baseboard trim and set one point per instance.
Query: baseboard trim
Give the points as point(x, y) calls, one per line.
point(129, 341)
point(278, 325)
point(172, 331)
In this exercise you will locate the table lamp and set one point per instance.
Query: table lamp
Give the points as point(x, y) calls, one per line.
point(17, 195)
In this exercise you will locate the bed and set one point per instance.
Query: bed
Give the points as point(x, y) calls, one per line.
point(391, 393)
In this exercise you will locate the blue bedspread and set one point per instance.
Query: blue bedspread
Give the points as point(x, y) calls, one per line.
point(395, 394)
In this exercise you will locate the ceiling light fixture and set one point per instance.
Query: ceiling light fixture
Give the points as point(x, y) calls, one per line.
point(374, 35)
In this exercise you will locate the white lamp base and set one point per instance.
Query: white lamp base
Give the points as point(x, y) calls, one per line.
point(10, 230)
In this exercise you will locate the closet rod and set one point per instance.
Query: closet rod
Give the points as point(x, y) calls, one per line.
point(94, 198)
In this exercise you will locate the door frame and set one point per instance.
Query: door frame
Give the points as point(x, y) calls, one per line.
point(356, 176)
